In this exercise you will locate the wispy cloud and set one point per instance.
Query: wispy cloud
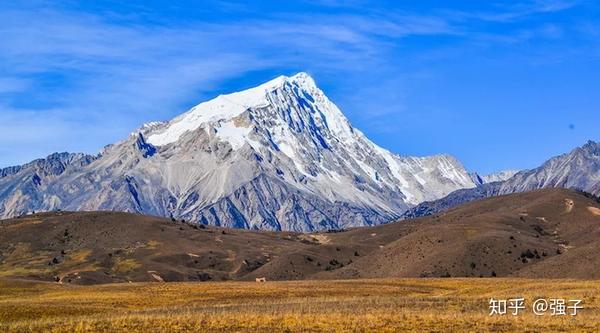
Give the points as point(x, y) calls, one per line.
point(515, 11)
point(122, 70)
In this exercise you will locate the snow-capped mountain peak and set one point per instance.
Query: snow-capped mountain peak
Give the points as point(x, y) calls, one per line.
point(228, 106)
point(293, 120)
point(277, 156)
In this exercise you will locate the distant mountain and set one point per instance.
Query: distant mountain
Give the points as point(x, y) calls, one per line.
point(492, 177)
point(53, 165)
point(20, 185)
point(499, 176)
point(578, 169)
point(280, 156)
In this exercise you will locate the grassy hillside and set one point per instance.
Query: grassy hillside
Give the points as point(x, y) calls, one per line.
point(547, 233)
point(435, 305)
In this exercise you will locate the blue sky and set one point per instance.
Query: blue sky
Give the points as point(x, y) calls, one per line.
point(497, 84)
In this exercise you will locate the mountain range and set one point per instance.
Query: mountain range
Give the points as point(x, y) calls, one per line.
point(280, 156)
point(579, 169)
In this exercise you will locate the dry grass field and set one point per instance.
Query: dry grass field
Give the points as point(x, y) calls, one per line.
point(381, 305)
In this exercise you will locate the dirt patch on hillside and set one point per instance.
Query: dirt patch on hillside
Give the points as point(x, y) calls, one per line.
point(155, 276)
point(321, 239)
point(594, 210)
point(569, 203)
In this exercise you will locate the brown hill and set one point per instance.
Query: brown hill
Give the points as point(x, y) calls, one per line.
point(545, 233)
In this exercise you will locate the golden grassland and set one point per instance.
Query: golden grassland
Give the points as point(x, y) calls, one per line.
point(382, 305)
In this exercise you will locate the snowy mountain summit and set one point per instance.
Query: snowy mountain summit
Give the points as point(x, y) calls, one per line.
point(280, 156)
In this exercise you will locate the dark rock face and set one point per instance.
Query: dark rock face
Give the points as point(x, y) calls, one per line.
point(144, 147)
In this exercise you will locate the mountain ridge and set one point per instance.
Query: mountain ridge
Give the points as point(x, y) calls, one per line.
point(578, 169)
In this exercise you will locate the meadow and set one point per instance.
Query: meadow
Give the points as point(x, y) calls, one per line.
point(381, 305)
